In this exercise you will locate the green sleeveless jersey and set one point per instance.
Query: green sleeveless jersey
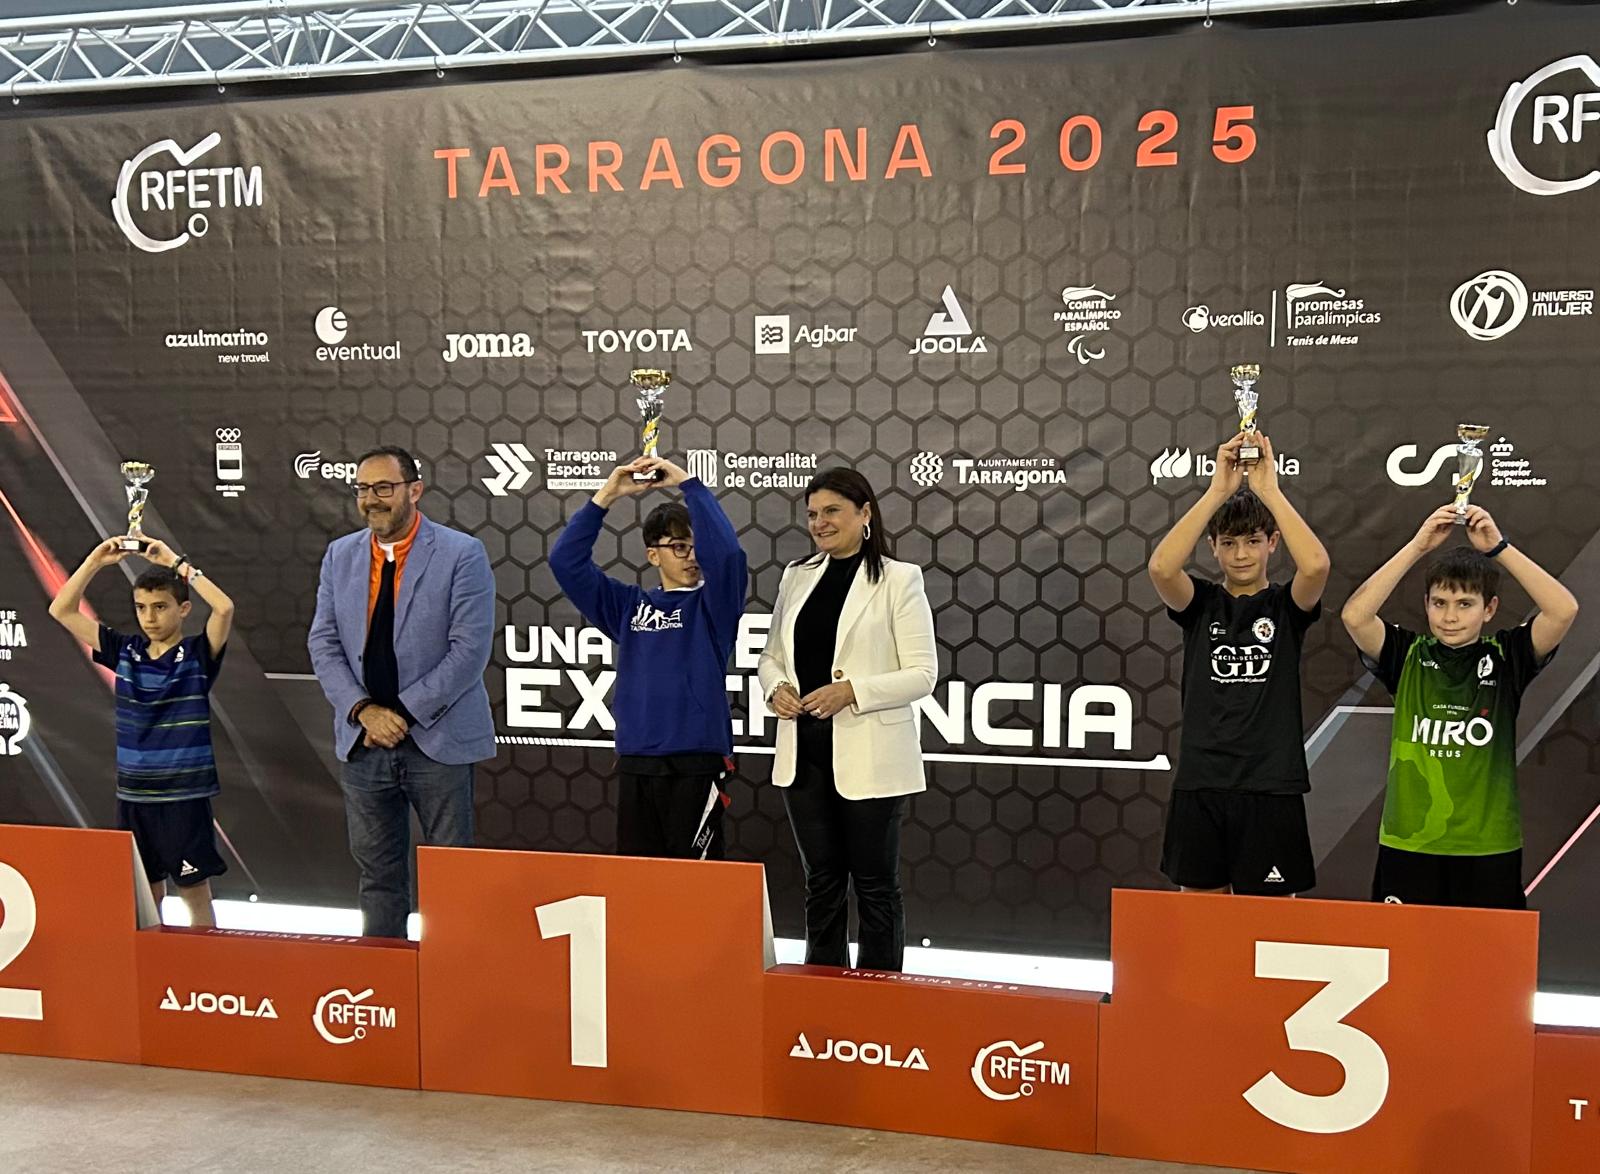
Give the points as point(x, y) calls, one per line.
point(1453, 752)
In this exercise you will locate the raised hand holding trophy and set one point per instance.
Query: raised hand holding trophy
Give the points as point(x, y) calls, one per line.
point(1469, 463)
point(1245, 376)
point(137, 474)
point(651, 385)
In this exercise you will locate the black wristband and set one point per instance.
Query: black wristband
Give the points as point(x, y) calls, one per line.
point(1498, 548)
point(355, 714)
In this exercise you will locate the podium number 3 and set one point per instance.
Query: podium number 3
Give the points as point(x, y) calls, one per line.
point(583, 919)
point(1353, 974)
point(16, 931)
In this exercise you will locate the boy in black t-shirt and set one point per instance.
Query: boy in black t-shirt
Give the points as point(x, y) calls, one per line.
point(1237, 819)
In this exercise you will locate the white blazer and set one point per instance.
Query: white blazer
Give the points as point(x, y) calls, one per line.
point(885, 650)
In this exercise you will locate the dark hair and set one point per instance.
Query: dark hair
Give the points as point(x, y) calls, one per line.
point(163, 579)
point(1466, 570)
point(1240, 516)
point(849, 484)
point(668, 520)
point(409, 469)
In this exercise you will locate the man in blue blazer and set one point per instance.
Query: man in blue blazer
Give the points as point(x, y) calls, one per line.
point(402, 635)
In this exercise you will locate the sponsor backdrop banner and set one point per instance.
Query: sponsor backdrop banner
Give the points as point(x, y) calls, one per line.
point(1006, 283)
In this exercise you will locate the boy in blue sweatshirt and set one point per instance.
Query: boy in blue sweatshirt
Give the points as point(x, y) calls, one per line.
point(674, 730)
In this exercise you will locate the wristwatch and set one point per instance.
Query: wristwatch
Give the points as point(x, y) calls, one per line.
point(1498, 548)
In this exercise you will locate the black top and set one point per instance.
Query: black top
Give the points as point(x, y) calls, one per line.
point(816, 628)
point(1242, 728)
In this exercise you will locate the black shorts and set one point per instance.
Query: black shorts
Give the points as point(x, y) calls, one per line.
point(671, 806)
point(1255, 844)
point(1422, 878)
point(175, 840)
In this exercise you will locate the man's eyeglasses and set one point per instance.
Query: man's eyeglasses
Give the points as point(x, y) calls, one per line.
point(382, 490)
point(681, 549)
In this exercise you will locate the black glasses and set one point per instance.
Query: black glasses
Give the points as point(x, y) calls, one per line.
point(681, 549)
point(382, 490)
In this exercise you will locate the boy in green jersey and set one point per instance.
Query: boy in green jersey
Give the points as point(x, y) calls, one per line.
point(1452, 832)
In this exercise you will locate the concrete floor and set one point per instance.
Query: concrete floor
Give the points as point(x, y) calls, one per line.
point(73, 1116)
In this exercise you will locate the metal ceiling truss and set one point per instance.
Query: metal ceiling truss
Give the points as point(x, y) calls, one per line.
point(287, 40)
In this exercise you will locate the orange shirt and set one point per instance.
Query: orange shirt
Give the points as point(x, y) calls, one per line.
point(401, 550)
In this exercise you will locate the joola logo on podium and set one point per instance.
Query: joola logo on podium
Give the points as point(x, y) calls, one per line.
point(206, 1003)
point(847, 1051)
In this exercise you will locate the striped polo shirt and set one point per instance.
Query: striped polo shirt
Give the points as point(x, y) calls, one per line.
point(163, 717)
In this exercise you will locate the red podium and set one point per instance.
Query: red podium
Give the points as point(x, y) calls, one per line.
point(1318, 1035)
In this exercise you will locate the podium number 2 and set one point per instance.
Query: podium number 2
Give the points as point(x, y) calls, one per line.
point(1353, 974)
point(16, 931)
point(583, 919)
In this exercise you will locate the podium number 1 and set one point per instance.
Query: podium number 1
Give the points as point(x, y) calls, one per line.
point(16, 931)
point(583, 919)
point(1353, 974)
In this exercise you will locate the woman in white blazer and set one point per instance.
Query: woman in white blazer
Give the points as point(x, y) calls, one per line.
point(850, 648)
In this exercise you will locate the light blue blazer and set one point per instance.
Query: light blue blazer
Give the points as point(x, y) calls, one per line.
point(443, 635)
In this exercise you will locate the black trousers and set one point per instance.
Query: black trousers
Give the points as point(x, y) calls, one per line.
point(670, 807)
point(845, 843)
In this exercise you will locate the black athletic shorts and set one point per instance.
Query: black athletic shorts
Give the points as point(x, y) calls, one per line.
point(1422, 878)
point(1255, 844)
point(175, 840)
point(671, 806)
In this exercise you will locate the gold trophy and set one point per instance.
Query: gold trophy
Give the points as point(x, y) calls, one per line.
point(1469, 463)
point(651, 384)
point(137, 474)
point(1247, 397)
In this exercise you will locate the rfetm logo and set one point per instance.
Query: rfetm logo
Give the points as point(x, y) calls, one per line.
point(1442, 456)
point(1490, 305)
point(1559, 116)
point(343, 1016)
point(927, 469)
point(179, 189)
point(513, 467)
point(1005, 1071)
point(1173, 462)
point(14, 721)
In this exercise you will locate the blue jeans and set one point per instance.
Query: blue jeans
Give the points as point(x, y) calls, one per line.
point(381, 789)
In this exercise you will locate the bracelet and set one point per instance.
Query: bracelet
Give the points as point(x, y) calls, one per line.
point(775, 689)
point(1499, 547)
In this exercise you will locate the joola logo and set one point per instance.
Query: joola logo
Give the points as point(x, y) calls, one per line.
point(648, 618)
point(1438, 732)
point(206, 1003)
point(849, 1052)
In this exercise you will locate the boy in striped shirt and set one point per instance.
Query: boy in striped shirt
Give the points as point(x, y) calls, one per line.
point(166, 771)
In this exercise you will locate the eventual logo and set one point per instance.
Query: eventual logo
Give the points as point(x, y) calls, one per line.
point(230, 463)
point(1264, 629)
point(649, 618)
point(513, 466)
point(1560, 117)
point(927, 469)
point(206, 1003)
point(1319, 315)
point(13, 635)
point(343, 1016)
point(1087, 313)
point(332, 326)
point(845, 1051)
point(949, 330)
point(637, 342)
point(1200, 318)
point(487, 346)
point(14, 721)
point(180, 196)
point(1495, 302)
point(1006, 1071)
point(773, 335)
point(309, 464)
